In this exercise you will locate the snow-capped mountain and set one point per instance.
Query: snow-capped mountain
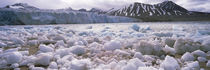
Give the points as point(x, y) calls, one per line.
point(140, 9)
point(24, 6)
point(96, 10)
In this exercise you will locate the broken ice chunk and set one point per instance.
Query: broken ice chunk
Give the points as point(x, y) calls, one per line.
point(170, 63)
point(43, 59)
point(78, 50)
point(187, 57)
point(14, 57)
point(198, 53)
point(112, 45)
point(135, 27)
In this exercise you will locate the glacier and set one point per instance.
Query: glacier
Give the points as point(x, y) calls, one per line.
point(22, 16)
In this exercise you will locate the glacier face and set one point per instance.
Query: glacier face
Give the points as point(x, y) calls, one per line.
point(22, 16)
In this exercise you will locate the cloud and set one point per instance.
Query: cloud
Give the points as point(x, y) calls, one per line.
point(194, 5)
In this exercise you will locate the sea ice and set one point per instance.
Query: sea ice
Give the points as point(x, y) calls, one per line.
point(24, 53)
point(208, 63)
point(89, 27)
point(178, 28)
point(14, 57)
point(85, 43)
point(84, 33)
point(147, 28)
point(43, 59)
point(11, 50)
point(121, 52)
point(114, 49)
point(135, 27)
point(79, 43)
point(128, 44)
point(62, 52)
point(78, 50)
point(2, 44)
point(28, 60)
point(82, 64)
point(194, 65)
point(169, 41)
point(70, 42)
point(163, 34)
point(149, 58)
point(147, 68)
point(15, 65)
point(37, 68)
point(112, 65)
point(138, 34)
point(95, 47)
point(112, 45)
point(1, 50)
point(206, 45)
point(129, 67)
point(120, 64)
point(170, 63)
point(59, 37)
point(45, 48)
point(137, 62)
point(169, 50)
point(198, 53)
point(185, 45)
point(138, 55)
point(187, 57)
point(17, 69)
point(60, 43)
point(148, 48)
point(186, 68)
point(53, 65)
point(63, 61)
point(202, 59)
point(33, 42)
point(145, 48)
point(16, 40)
point(208, 53)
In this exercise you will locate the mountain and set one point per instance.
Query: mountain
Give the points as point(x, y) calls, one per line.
point(165, 11)
point(24, 6)
point(24, 14)
point(96, 10)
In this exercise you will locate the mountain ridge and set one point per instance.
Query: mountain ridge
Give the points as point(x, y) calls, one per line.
point(165, 11)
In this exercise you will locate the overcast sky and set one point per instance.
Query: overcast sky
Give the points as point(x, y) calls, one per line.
point(193, 5)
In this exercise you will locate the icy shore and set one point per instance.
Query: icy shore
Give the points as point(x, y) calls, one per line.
point(105, 46)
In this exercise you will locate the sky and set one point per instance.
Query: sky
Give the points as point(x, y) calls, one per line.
point(192, 5)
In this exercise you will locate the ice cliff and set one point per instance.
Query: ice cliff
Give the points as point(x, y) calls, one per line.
point(24, 14)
